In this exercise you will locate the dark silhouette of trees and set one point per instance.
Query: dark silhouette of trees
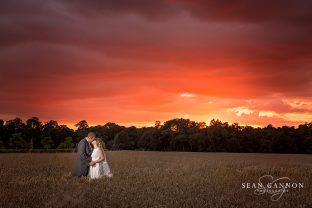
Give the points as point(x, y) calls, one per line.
point(67, 143)
point(307, 145)
point(12, 127)
point(81, 125)
point(122, 140)
point(82, 128)
point(47, 142)
point(173, 135)
point(32, 131)
point(51, 129)
point(157, 124)
point(152, 139)
point(2, 132)
point(17, 141)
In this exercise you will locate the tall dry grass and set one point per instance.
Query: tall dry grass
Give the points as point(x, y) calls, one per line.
point(152, 179)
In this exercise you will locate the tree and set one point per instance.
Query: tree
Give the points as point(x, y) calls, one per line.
point(49, 127)
point(82, 125)
point(67, 144)
point(179, 125)
point(151, 140)
point(174, 135)
point(47, 142)
point(157, 124)
point(57, 132)
point(218, 133)
point(202, 125)
point(133, 135)
point(197, 142)
point(284, 141)
point(123, 141)
point(307, 143)
point(15, 125)
point(1, 144)
point(2, 132)
point(82, 128)
point(33, 131)
point(182, 142)
point(111, 129)
point(34, 123)
point(17, 141)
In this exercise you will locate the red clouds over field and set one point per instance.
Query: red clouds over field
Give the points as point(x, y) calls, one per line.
point(134, 61)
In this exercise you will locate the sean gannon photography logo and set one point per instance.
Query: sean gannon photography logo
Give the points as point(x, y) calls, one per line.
point(274, 187)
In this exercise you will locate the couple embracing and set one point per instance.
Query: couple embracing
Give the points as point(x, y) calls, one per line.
point(91, 159)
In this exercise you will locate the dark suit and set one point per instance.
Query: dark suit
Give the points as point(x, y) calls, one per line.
point(84, 152)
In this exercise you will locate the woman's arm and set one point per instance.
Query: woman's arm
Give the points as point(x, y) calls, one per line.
point(101, 157)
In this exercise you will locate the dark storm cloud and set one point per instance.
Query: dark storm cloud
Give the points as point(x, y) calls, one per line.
point(50, 49)
point(147, 8)
point(290, 11)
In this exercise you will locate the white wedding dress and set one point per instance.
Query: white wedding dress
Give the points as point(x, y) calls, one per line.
point(99, 169)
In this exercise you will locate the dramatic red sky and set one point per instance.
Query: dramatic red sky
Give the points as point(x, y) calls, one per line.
point(137, 61)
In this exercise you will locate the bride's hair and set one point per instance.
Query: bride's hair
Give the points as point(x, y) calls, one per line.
point(101, 143)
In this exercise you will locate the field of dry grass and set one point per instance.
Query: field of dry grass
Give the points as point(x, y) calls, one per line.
point(152, 179)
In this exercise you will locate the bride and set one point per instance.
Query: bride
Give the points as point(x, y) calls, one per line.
point(100, 167)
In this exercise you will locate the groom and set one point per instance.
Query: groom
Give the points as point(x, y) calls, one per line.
point(84, 155)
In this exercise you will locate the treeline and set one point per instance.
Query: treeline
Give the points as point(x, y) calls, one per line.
point(172, 135)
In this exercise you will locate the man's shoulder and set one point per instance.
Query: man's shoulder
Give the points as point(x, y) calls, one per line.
point(82, 141)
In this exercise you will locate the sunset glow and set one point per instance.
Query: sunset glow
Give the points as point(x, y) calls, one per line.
point(135, 63)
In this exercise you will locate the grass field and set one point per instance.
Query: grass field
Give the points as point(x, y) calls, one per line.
point(152, 179)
